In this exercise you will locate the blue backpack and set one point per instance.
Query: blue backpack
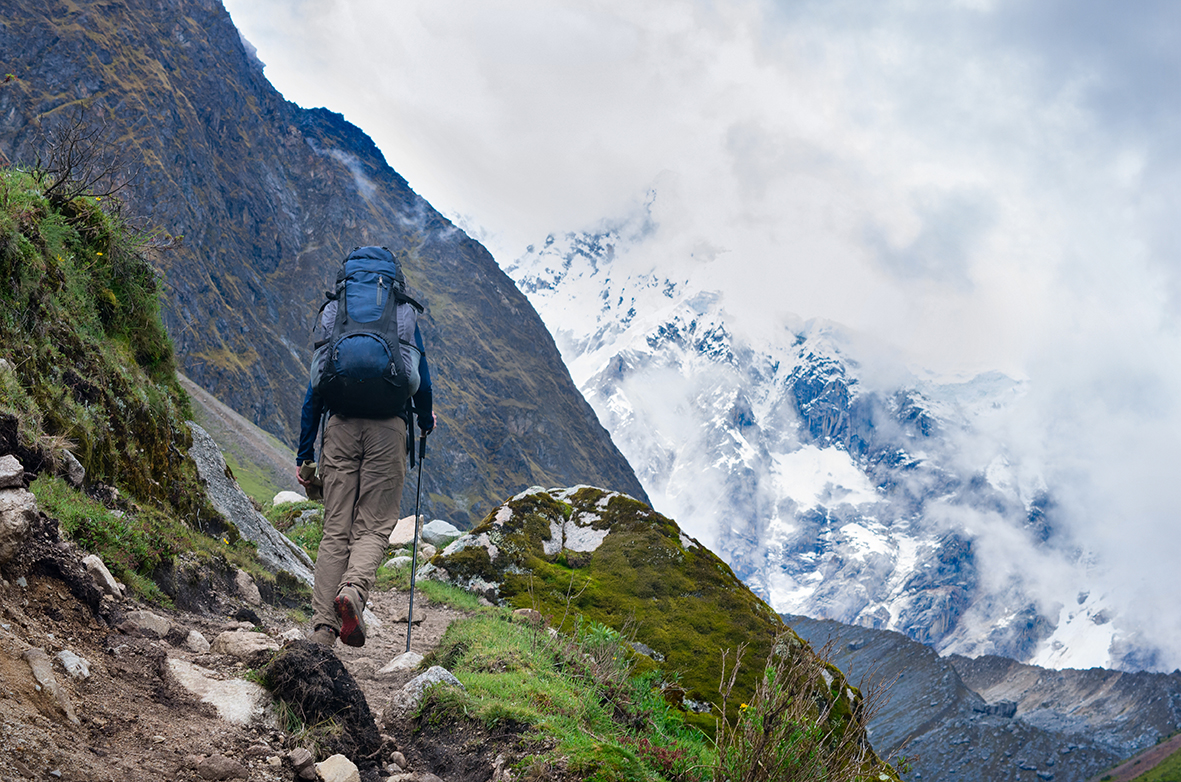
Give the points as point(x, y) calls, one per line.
point(368, 366)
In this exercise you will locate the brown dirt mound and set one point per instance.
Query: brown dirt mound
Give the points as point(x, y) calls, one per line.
point(314, 683)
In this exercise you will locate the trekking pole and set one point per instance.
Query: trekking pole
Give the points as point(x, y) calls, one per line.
point(414, 555)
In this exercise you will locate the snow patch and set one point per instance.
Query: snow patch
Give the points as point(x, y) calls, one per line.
point(866, 541)
point(1082, 639)
point(553, 546)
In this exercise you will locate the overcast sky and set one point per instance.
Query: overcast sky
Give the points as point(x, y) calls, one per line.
point(987, 184)
point(972, 178)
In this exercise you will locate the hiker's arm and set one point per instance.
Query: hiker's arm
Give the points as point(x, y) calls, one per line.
point(309, 421)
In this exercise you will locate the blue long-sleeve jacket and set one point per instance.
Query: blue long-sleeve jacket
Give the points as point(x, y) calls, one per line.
point(314, 410)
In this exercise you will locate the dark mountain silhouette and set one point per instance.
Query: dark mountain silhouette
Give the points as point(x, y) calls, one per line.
point(267, 197)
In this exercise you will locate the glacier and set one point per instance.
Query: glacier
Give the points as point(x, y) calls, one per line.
point(837, 482)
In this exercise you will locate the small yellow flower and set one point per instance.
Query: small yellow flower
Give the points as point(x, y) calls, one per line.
point(98, 253)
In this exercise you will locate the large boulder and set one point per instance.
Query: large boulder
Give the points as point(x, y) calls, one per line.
point(410, 696)
point(403, 534)
point(275, 550)
point(12, 472)
point(18, 509)
point(243, 644)
point(610, 559)
point(439, 532)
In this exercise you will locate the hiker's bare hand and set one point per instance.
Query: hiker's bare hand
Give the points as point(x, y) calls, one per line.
point(434, 423)
point(299, 478)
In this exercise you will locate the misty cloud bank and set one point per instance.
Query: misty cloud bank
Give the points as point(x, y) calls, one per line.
point(985, 185)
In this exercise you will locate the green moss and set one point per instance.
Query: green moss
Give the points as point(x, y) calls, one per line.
point(472, 562)
point(89, 369)
point(517, 677)
point(684, 603)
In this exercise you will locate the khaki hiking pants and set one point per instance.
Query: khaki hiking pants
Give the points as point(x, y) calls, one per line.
point(364, 467)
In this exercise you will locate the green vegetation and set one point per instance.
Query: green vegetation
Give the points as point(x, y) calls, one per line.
point(444, 594)
point(286, 519)
point(674, 619)
point(579, 703)
point(1168, 770)
point(91, 369)
point(135, 543)
point(253, 479)
point(683, 601)
point(86, 369)
point(787, 733)
point(575, 698)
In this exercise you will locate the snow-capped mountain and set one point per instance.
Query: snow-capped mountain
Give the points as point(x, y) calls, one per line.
point(837, 483)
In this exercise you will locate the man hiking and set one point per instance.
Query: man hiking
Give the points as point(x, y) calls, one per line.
point(369, 378)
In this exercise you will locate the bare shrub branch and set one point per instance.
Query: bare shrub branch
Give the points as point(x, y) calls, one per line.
point(81, 158)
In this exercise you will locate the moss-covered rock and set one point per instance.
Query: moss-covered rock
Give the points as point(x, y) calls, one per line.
point(604, 557)
point(87, 369)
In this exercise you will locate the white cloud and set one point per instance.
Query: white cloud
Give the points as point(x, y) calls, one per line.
point(991, 184)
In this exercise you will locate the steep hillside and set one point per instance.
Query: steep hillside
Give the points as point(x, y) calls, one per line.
point(266, 198)
point(992, 719)
point(93, 422)
point(583, 555)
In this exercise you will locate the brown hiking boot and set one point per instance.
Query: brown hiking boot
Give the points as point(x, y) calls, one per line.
point(324, 635)
point(349, 608)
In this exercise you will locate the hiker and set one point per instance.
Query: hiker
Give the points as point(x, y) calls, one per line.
point(370, 364)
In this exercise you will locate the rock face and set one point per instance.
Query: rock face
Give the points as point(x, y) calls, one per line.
point(993, 719)
point(584, 555)
point(269, 197)
point(274, 548)
point(18, 509)
point(836, 482)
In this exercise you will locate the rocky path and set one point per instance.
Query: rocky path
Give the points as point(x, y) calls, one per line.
point(127, 712)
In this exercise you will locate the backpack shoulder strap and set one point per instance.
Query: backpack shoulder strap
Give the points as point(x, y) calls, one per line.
point(402, 298)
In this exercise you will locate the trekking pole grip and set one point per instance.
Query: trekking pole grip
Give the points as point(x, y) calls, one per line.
point(421, 448)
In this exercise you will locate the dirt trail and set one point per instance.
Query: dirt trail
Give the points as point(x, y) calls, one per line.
point(1142, 763)
point(134, 722)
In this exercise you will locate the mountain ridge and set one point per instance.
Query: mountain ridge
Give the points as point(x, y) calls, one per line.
point(993, 719)
point(266, 198)
point(832, 478)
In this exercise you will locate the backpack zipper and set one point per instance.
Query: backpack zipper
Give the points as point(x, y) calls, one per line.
point(380, 288)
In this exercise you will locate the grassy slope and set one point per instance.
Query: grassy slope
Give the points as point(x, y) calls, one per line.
point(1167, 771)
point(646, 581)
point(261, 464)
point(90, 370)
